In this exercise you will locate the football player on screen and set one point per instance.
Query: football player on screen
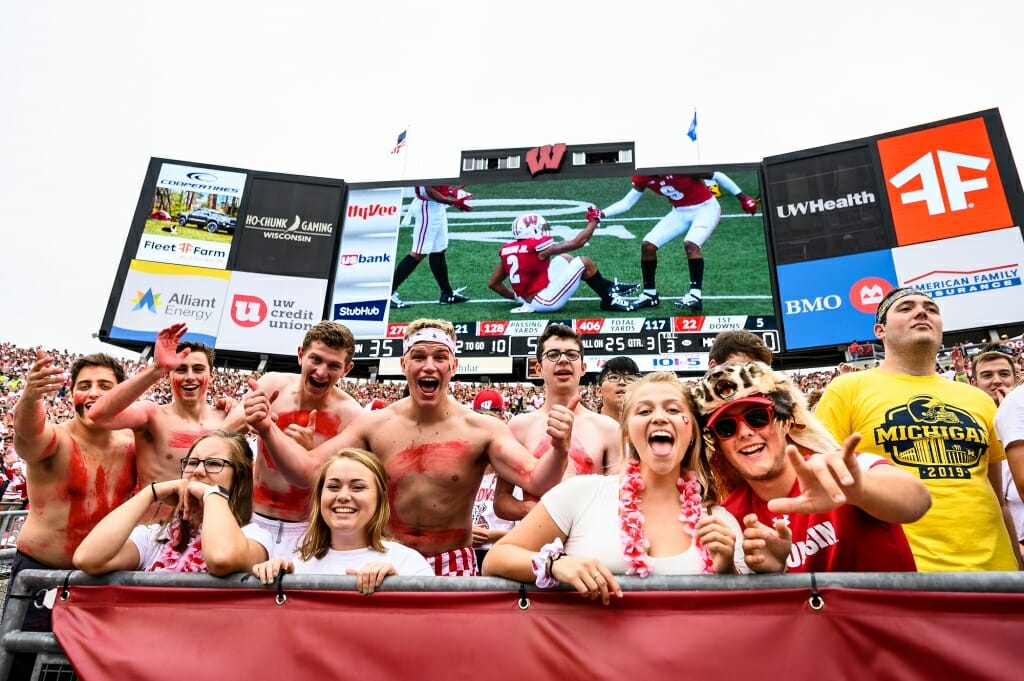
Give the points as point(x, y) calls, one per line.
point(542, 274)
point(430, 238)
point(695, 213)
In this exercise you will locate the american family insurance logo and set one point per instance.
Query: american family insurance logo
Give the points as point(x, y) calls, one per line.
point(945, 283)
point(943, 182)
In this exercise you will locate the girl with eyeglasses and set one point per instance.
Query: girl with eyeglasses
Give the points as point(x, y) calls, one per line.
point(659, 517)
point(348, 527)
point(210, 530)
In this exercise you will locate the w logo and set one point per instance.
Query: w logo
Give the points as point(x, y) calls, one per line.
point(248, 311)
point(546, 158)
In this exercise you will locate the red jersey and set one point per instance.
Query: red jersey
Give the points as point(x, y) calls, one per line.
point(422, 195)
point(680, 190)
point(527, 272)
point(845, 539)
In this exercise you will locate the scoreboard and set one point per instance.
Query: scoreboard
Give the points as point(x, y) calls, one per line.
point(600, 337)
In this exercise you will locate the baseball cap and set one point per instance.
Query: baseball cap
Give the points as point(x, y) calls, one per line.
point(489, 400)
point(757, 383)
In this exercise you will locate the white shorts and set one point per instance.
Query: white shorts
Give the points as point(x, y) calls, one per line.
point(563, 279)
point(285, 534)
point(430, 233)
point(696, 222)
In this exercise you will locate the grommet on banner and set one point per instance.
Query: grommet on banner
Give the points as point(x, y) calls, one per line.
point(281, 596)
point(816, 602)
point(524, 602)
point(65, 592)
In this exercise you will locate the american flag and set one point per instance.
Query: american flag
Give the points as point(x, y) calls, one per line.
point(400, 142)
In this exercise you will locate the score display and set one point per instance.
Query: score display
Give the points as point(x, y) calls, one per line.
point(632, 336)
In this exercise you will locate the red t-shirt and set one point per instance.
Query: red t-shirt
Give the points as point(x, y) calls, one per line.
point(845, 539)
point(527, 272)
point(680, 190)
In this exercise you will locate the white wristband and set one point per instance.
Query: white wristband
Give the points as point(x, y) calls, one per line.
point(215, 489)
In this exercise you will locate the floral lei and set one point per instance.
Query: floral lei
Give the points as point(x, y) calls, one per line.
point(631, 519)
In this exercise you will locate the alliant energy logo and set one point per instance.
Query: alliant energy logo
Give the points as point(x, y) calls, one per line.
point(178, 305)
point(943, 182)
point(289, 228)
point(371, 210)
point(945, 283)
point(790, 210)
point(368, 311)
point(350, 259)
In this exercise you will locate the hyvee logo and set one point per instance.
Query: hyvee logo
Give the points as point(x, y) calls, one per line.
point(943, 182)
point(371, 210)
point(546, 158)
point(248, 311)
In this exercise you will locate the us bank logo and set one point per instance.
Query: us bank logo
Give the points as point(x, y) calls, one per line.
point(146, 301)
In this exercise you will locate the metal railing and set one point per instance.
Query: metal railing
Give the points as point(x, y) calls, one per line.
point(29, 585)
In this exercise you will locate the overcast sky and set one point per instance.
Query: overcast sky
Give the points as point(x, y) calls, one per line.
point(90, 91)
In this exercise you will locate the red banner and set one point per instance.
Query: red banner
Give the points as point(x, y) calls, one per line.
point(116, 632)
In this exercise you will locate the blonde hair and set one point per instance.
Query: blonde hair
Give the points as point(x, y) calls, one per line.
point(442, 324)
point(695, 459)
point(316, 540)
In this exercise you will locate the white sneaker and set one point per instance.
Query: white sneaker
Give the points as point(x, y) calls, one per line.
point(396, 302)
point(524, 308)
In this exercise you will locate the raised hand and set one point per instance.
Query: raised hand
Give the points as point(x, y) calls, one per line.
point(165, 350)
point(748, 204)
point(594, 214)
point(560, 420)
point(257, 404)
point(827, 480)
point(43, 378)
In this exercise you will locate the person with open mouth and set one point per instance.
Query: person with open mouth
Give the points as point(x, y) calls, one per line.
point(659, 517)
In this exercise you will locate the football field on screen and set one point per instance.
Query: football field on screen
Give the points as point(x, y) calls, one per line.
point(736, 277)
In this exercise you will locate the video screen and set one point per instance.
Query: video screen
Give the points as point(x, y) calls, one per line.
point(380, 227)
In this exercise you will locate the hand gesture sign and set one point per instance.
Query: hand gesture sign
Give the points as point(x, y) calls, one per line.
point(827, 480)
point(258, 413)
point(303, 434)
point(765, 549)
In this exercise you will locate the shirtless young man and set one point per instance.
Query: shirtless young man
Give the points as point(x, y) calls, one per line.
point(310, 409)
point(434, 449)
point(164, 433)
point(77, 472)
point(595, 446)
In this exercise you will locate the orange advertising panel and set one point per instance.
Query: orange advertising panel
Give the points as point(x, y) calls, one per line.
point(943, 182)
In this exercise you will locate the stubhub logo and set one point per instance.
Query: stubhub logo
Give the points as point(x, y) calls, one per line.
point(370, 310)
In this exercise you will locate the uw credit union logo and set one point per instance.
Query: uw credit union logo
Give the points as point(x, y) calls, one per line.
point(248, 311)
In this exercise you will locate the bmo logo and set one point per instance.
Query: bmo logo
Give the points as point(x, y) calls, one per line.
point(943, 182)
point(817, 304)
point(867, 293)
point(248, 311)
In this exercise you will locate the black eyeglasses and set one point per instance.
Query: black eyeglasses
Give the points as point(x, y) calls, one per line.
point(755, 417)
point(622, 378)
point(556, 355)
point(212, 465)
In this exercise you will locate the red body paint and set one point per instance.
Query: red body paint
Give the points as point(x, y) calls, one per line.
point(294, 498)
point(582, 462)
point(86, 507)
point(327, 426)
point(183, 439)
